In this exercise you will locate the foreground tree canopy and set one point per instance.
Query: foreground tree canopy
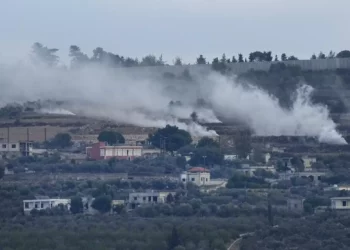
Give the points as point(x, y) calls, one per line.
point(170, 138)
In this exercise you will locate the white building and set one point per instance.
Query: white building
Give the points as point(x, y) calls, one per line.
point(308, 161)
point(101, 151)
point(340, 203)
point(250, 170)
point(198, 176)
point(22, 148)
point(230, 157)
point(151, 197)
point(42, 203)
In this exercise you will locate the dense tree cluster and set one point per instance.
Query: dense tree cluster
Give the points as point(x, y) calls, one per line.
point(170, 138)
point(111, 137)
point(43, 54)
point(325, 231)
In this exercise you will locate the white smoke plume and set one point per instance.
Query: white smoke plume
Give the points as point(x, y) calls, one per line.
point(263, 114)
point(127, 96)
point(98, 91)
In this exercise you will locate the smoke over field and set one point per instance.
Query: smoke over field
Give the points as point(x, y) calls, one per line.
point(126, 96)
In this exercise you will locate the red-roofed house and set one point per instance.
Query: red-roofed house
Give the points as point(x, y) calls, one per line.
point(197, 175)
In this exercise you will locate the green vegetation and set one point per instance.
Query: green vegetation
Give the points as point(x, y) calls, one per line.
point(102, 203)
point(170, 138)
point(111, 137)
point(61, 140)
point(76, 205)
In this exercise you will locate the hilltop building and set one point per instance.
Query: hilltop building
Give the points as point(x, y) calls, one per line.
point(197, 175)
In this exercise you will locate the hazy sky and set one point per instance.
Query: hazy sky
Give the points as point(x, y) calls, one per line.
point(184, 28)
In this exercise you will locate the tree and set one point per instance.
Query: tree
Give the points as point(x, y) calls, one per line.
point(234, 60)
point(313, 57)
point(170, 198)
point(201, 60)
point(62, 140)
point(173, 239)
point(77, 56)
point(297, 164)
point(171, 138)
point(181, 162)
point(240, 58)
point(206, 156)
point(243, 145)
point(2, 172)
point(321, 55)
point(185, 75)
point(269, 210)
point(223, 59)
point(194, 116)
point(292, 58)
point(219, 65)
point(111, 137)
point(276, 58)
point(178, 61)
point(331, 54)
point(207, 142)
point(343, 54)
point(103, 204)
point(151, 60)
point(76, 205)
point(98, 54)
point(43, 54)
point(283, 57)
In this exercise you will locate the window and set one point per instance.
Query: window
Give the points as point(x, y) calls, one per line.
point(192, 179)
point(4, 145)
point(183, 180)
point(36, 205)
point(144, 198)
point(13, 146)
point(202, 178)
point(344, 203)
point(26, 205)
point(155, 199)
point(135, 198)
point(149, 198)
point(42, 205)
point(206, 179)
point(127, 152)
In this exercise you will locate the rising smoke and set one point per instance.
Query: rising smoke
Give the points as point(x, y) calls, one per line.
point(125, 96)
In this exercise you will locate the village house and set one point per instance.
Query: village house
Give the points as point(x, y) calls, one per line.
point(150, 197)
point(340, 203)
point(102, 151)
point(20, 148)
point(308, 161)
point(197, 175)
point(295, 204)
point(44, 202)
point(250, 170)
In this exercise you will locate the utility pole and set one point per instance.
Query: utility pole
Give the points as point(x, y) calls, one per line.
point(204, 156)
point(162, 146)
